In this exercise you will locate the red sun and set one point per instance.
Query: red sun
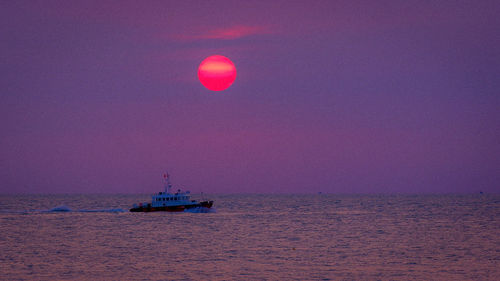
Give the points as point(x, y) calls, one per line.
point(217, 73)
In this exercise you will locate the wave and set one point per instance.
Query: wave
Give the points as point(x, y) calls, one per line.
point(62, 208)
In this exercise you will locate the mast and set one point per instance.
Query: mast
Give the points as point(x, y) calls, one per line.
point(167, 183)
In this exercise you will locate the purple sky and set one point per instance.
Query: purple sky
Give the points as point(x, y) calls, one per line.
point(331, 96)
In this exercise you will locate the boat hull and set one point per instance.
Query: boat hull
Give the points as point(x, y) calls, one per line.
point(177, 208)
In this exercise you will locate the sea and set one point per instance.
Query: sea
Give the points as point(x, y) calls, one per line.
point(252, 237)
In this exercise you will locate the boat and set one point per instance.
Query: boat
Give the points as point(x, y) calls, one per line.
point(167, 201)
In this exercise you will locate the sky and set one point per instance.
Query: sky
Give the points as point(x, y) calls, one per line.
point(330, 96)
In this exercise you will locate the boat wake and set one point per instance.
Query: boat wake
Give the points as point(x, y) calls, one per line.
point(58, 209)
point(200, 210)
point(119, 210)
point(63, 209)
point(66, 209)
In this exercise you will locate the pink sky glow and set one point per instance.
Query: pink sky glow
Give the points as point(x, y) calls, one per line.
point(331, 96)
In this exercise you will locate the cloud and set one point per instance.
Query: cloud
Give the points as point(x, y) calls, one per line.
point(235, 32)
point(228, 33)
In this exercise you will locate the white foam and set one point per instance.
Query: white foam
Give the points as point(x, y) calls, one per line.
point(200, 210)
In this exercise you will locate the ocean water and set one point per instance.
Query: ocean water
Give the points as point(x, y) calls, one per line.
point(252, 237)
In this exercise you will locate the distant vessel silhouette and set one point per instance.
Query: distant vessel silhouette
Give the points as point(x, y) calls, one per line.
point(170, 202)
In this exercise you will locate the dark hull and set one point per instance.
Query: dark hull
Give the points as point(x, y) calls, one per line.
point(180, 208)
